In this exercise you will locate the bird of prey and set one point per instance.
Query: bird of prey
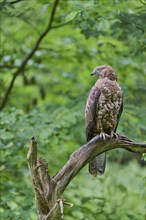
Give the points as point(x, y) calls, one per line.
point(103, 110)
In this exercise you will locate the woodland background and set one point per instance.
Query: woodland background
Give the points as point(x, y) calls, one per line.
point(47, 100)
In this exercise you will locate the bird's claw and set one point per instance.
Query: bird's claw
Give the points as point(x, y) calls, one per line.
point(103, 135)
point(113, 134)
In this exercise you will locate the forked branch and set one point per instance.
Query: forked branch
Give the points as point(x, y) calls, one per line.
point(48, 189)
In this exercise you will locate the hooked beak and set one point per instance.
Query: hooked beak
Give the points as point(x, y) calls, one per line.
point(94, 72)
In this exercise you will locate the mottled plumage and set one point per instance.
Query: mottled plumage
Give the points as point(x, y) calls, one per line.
point(103, 110)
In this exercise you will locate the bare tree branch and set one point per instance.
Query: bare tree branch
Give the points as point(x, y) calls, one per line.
point(48, 189)
point(36, 45)
point(89, 151)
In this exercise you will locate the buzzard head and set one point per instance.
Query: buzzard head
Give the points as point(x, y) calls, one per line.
point(105, 71)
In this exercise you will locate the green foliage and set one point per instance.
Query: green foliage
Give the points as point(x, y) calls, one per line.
point(60, 131)
point(54, 125)
point(48, 99)
point(108, 197)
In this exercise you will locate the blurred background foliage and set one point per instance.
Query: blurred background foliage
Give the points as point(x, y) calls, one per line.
point(48, 100)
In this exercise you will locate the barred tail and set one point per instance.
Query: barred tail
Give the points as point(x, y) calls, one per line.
point(97, 165)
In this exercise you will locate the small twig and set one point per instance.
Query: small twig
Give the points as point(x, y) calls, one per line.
point(61, 203)
point(54, 213)
point(60, 25)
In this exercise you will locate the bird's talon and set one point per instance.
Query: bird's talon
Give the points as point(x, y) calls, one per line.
point(103, 135)
point(115, 135)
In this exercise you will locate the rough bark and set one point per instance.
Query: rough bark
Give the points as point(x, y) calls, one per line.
point(48, 190)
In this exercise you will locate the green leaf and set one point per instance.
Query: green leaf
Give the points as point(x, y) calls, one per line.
point(6, 135)
point(71, 16)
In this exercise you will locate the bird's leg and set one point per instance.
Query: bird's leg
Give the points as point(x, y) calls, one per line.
point(102, 134)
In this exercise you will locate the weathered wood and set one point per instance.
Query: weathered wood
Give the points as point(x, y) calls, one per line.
point(42, 205)
point(48, 190)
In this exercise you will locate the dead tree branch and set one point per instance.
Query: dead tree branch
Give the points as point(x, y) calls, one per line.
point(48, 189)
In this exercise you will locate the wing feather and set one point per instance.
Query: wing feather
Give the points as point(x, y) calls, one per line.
point(90, 112)
point(119, 115)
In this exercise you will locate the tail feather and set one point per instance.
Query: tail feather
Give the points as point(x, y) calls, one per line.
point(97, 165)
